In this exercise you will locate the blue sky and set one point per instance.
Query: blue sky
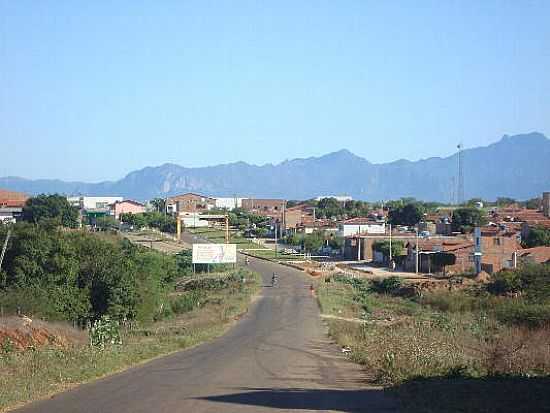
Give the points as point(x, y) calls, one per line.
point(92, 90)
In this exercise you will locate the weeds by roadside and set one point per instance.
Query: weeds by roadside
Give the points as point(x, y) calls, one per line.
point(441, 336)
point(37, 372)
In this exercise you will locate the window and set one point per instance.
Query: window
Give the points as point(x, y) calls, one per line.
point(496, 241)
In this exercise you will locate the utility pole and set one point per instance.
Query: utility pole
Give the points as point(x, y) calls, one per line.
point(227, 229)
point(417, 250)
point(178, 227)
point(276, 230)
point(5, 247)
point(460, 188)
point(390, 244)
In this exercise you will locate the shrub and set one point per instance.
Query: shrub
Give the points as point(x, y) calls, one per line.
point(519, 312)
point(505, 282)
point(186, 302)
point(388, 285)
point(105, 331)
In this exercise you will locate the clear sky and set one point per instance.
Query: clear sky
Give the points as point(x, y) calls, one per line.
point(91, 90)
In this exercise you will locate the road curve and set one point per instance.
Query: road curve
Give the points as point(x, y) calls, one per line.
point(277, 358)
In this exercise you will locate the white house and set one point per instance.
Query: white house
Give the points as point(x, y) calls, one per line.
point(229, 203)
point(93, 202)
point(9, 215)
point(355, 226)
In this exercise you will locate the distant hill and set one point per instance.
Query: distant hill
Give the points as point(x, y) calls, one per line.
point(516, 166)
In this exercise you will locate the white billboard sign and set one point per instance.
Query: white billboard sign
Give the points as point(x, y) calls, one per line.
point(214, 253)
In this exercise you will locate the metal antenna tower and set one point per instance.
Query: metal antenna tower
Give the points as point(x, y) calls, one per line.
point(460, 181)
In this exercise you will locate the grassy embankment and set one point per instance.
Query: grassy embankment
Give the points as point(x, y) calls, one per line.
point(448, 351)
point(197, 315)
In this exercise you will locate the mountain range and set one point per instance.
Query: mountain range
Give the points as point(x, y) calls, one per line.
point(515, 166)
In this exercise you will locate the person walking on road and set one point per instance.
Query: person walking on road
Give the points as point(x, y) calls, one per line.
point(274, 280)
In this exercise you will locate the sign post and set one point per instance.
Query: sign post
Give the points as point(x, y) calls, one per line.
point(214, 253)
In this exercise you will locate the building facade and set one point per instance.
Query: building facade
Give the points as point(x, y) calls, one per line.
point(190, 202)
point(94, 202)
point(229, 202)
point(273, 208)
point(127, 207)
point(356, 226)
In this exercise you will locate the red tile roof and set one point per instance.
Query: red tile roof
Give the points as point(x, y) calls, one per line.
point(435, 244)
point(129, 201)
point(12, 199)
point(540, 255)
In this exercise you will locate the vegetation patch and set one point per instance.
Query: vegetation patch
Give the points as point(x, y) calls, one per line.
point(449, 341)
point(193, 317)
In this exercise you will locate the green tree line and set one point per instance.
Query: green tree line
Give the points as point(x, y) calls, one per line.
point(80, 276)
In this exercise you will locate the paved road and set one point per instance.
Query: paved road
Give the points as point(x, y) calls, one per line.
point(277, 358)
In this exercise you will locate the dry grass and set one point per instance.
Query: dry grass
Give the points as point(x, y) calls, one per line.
point(424, 342)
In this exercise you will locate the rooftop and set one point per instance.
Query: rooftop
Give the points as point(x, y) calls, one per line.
point(361, 221)
point(539, 255)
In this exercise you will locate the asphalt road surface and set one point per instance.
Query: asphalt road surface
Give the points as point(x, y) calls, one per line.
point(277, 358)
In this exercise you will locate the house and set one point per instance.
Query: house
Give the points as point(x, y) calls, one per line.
point(538, 255)
point(325, 225)
point(193, 220)
point(93, 203)
point(12, 199)
point(190, 202)
point(462, 249)
point(359, 247)
point(228, 203)
point(127, 207)
point(356, 226)
point(498, 245)
point(11, 205)
point(299, 216)
point(272, 208)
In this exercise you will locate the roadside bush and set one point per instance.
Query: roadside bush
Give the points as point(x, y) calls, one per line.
point(388, 285)
point(458, 301)
point(186, 302)
point(519, 312)
point(506, 282)
point(105, 331)
point(533, 280)
point(80, 276)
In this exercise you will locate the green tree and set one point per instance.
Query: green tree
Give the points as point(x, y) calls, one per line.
point(53, 208)
point(328, 208)
point(533, 203)
point(537, 237)
point(159, 204)
point(464, 219)
point(503, 201)
point(106, 222)
point(384, 248)
point(336, 242)
point(409, 214)
point(314, 241)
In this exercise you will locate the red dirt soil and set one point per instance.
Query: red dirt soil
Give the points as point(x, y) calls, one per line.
point(24, 333)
